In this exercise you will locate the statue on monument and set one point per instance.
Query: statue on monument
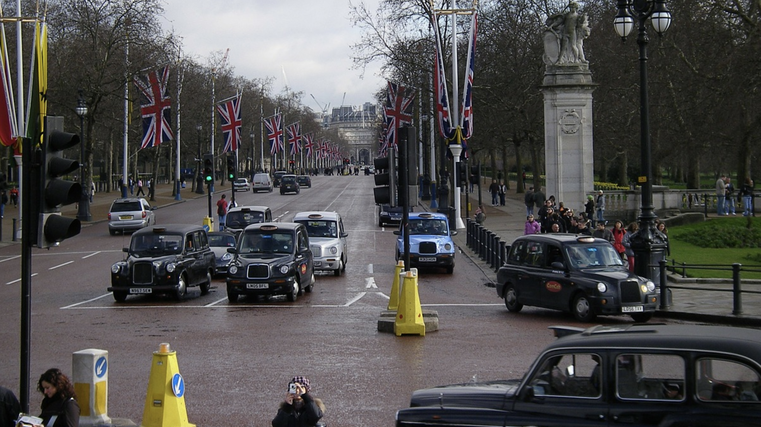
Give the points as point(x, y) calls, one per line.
point(564, 37)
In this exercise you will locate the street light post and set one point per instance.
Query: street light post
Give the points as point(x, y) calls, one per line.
point(83, 212)
point(198, 178)
point(648, 244)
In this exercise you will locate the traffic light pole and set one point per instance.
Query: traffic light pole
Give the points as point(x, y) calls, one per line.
point(28, 221)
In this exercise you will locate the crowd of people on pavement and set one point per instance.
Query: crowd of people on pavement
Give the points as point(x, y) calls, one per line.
point(727, 199)
point(59, 407)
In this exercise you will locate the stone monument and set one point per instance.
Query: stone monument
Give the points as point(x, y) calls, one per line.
point(567, 89)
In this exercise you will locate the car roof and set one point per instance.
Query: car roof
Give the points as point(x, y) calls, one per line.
point(561, 238)
point(250, 208)
point(427, 215)
point(289, 175)
point(168, 228)
point(742, 341)
point(316, 215)
point(129, 199)
point(290, 226)
point(220, 233)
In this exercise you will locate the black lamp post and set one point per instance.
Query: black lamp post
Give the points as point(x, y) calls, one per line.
point(83, 212)
point(648, 244)
point(198, 178)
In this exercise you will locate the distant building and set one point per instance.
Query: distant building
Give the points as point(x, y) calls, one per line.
point(359, 126)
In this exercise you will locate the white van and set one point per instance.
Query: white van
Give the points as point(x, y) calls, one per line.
point(262, 181)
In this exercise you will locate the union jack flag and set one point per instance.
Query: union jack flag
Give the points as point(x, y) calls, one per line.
point(274, 126)
point(442, 95)
point(397, 111)
point(294, 137)
point(308, 144)
point(467, 98)
point(229, 113)
point(155, 107)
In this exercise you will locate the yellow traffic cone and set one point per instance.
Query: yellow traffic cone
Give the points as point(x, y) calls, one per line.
point(409, 316)
point(393, 301)
point(165, 400)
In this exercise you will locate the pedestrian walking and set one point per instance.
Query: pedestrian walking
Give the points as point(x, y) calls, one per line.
point(222, 211)
point(502, 192)
point(746, 193)
point(494, 190)
point(528, 200)
point(630, 230)
point(721, 191)
point(140, 188)
point(14, 196)
point(589, 208)
point(600, 206)
point(729, 198)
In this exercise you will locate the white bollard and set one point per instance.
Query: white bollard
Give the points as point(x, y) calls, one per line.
point(90, 377)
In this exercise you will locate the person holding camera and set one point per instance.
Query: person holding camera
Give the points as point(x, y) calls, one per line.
point(299, 409)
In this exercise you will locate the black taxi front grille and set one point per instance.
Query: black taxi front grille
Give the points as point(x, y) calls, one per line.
point(258, 271)
point(428, 247)
point(142, 273)
point(630, 292)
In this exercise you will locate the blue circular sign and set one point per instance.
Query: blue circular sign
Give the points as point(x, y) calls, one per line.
point(178, 385)
point(101, 367)
point(206, 227)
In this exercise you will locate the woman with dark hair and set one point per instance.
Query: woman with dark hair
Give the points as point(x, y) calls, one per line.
point(59, 406)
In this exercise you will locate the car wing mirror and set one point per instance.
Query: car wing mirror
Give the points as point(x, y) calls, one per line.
point(528, 394)
point(232, 250)
point(344, 234)
point(453, 232)
point(397, 232)
point(557, 265)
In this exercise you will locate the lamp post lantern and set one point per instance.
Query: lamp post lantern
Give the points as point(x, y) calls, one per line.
point(648, 244)
point(83, 212)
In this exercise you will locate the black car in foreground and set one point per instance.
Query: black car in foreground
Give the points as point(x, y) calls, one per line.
point(627, 375)
point(579, 274)
point(164, 259)
point(271, 259)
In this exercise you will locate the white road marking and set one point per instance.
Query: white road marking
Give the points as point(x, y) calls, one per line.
point(18, 280)
point(355, 299)
point(60, 265)
point(85, 302)
point(11, 258)
point(92, 254)
point(370, 283)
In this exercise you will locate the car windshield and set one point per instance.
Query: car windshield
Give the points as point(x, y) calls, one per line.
point(289, 179)
point(436, 227)
point(266, 242)
point(222, 240)
point(321, 228)
point(126, 207)
point(155, 244)
point(593, 256)
point(242, 219)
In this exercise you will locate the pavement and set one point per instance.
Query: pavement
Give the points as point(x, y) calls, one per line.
point(692, 299)
point(701, 300)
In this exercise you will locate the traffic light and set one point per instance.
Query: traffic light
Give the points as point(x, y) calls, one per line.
point(53, 228)
point(462, 174)
point(232, 172)
point(386, 192)
point(208, 168)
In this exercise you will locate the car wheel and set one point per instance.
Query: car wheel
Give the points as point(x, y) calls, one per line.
point(380, 222)
point(450, 269)
point(511, 300)
point(232, 297)
point(582, 309)
point(295, 291)
point(642, 317)
point(112, 232)
point(205, 286)
point(338, 270)
point(282, 192)
point(182, 288)
point(120, 296)
point(343, 265)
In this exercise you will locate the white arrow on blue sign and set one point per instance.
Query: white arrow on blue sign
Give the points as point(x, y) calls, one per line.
point(178, 385)
point(101, 367)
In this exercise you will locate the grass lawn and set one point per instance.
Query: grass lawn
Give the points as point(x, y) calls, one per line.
point(718, 241)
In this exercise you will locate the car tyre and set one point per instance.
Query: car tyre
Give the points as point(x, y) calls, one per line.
point(232, 297)
point(112, 232)
point(182, 288)
point(295, 291)
point(380, 222)
point(642, 317)
point(120, 296)
point(511, 300)
point(450, 269)
point(205, 286)
point(582, 309)
point(338, 270)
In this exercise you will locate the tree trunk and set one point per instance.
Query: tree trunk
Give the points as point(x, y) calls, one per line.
point(519, 187)
point(505, 166)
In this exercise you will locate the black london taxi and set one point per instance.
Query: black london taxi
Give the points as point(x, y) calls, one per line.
point(627, 375)
point(271, 258)
point(164, 259)
point(582, 275)
point(289, 184)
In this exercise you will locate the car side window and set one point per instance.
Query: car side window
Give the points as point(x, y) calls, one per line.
point(203, 242)
point(650, 377)
point(518, 251)
point(577, 375)
point(726, 380)
point(535, 254)
point(190, 245)
point(302, 239)
point(553, 255)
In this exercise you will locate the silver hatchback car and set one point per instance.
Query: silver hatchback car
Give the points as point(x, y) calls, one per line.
point(130, 214)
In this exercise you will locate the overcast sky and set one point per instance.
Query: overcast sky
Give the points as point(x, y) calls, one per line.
point(306, 41)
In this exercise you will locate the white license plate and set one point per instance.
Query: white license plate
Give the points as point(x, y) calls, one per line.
point(140, 290)
point(125, 217)
point(257, 286)
point(632, 309)
point(427, 259)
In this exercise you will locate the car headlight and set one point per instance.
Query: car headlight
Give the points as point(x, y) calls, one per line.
point(333, 250)
point(116, 267)
point(227, 256)
point(448, 246)
point(284, 269)
point(648, 287)
point(233, 269)
point(170, 266)
point(602, 287)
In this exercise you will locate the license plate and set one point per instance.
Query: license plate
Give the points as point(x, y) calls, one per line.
point(257, 286)
point(632, 309)
point(140, 290)
point(427, 259)
point(125, 217)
